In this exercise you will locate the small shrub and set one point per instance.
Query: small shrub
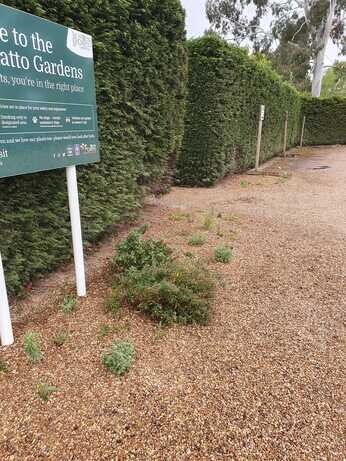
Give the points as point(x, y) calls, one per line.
point(68, 305)
point(31, 347)
point(136, 253)
point(3, 367)
point(171, 293)
point(105, 330)
point(45, 390)
point(119, 359)
point(190, 255)
point(112, 303)
point(232, 217)
point(197, 240)
point(223, 254)
point(60, 338)
point(245, 184)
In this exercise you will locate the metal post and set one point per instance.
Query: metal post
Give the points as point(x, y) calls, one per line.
point(77, 242)
point(285, 135)
point(259, 136)
point(6, 333)
point(303, 129)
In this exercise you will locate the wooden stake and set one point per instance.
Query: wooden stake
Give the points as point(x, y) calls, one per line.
point(303, 129)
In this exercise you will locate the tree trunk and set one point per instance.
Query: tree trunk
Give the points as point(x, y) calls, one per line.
point(322, 35)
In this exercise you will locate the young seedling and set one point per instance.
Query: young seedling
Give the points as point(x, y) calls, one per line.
point(31, 347)
point(45, 390)
point(180, 216)
point(223, 254)
point(68, 305)
point(119, 360)
point(105, 330)
point(245, 184)
point(60, 338)
point(197, 240)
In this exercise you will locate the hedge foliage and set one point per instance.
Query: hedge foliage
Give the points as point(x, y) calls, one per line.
point(325, 121)
point(140, 66)
point(225, 90)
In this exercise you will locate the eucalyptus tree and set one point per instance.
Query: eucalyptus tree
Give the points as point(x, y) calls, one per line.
point(265, 23)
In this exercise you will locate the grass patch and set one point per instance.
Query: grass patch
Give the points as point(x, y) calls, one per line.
point(159, 332)
point(208, 221)
point(60, 338)
point(245, 184)
point(31, 346)
point(197, 240)
point(180, 216)
point(112, 303)
point(3, 367)
point(231, 217)
point(119, 359)
point(69, 304)
point(223, 254)
point(45, 390)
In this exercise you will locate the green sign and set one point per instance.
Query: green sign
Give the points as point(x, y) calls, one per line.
point(48, 116)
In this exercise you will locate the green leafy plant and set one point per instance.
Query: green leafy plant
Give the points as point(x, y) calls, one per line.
point(60, 338)
point(3, 366)
point(69, 304)
point(105, 330)
point(31, 346)
point(223, 254)
point(119, 359)
point(134, 252)
point(197, 240)
point(45, 390)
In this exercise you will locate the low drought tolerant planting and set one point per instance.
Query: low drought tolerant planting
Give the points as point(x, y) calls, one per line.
point(69, 304)
point(223, 254)
point(45, 390)
point(60, 338)
point(31, 346)
point(197, 240)
point(134, 252)
point(120, 357)
point(154, 283)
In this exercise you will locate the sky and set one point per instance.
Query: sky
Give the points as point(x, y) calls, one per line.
point(197, 23)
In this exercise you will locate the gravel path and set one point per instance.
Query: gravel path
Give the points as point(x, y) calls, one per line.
point(265, 380)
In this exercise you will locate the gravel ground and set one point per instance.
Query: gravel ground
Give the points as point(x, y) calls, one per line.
point(265, 380)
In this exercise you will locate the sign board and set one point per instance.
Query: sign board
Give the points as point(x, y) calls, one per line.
point(48, 116)
point(262, 112)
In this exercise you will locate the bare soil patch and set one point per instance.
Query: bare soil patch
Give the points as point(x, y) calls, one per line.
point(265, 379)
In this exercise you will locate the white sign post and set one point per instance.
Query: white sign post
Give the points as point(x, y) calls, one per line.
point(259, 136)
point(6, 334)
point(302, 135)
point(77, 242)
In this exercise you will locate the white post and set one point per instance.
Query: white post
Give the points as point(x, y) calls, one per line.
point(77, 242)
point(259, 136)
point(6, 333)
point(285, 133)
point(303, 129)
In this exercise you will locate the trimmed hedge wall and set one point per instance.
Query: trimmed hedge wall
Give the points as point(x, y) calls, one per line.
point(325, 121)
point(225, 89)
point(140, 66)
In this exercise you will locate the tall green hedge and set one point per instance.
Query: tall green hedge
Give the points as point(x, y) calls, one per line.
point(140, 65)
point(325, 120)
point(225, 89)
